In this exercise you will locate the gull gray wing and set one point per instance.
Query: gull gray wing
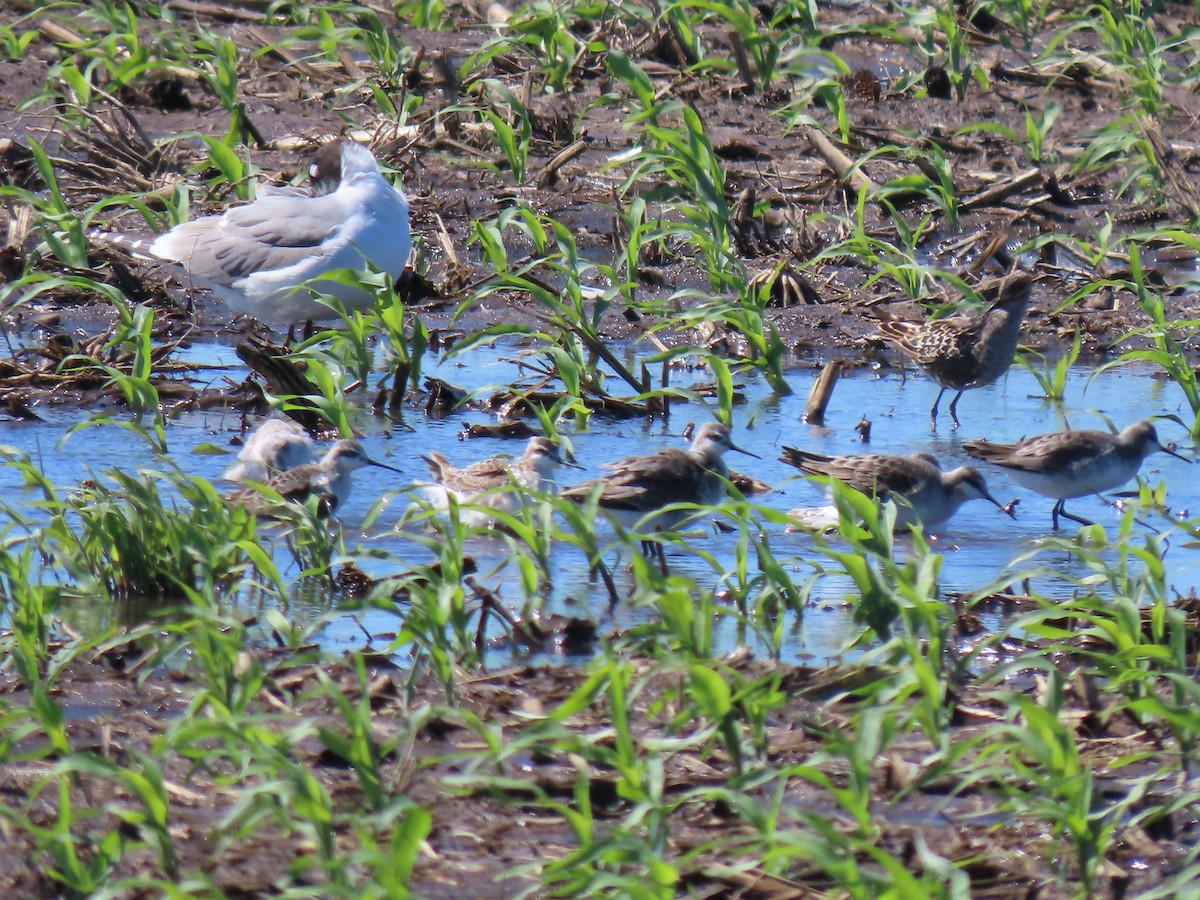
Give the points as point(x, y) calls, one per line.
point(260, 237)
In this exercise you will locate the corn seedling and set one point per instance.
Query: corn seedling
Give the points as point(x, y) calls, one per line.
point(1052, 374)
point(1167, 352)
point(63, 232)
point(691, 180)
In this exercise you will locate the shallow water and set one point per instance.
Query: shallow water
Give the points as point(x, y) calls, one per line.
point(978, 545)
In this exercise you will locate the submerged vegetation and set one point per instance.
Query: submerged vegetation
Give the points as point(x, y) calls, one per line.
point(616, 194)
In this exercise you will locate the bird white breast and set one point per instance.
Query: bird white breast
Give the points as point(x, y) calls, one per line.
point(1102, 474)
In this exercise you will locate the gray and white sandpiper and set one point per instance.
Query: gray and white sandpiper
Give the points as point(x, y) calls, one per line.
point(254, 256)
point(328, 480)
point(639, 488)
point(1068, 464)
point(963, 352)
point(496, 483)
point(274, 446)
point(930, 496)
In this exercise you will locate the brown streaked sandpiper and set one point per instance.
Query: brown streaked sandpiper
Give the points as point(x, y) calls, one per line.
point(962, 352)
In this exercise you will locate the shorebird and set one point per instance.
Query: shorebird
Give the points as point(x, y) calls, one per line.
point(328, 480)
point(962, 352)
point(930, 496)
point(275, 446)
point(254, 256)
point(640, 487)
point(1067, 464)
point(490, 482)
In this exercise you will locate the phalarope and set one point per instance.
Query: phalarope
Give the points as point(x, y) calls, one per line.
point(1068, 464)
point(490, 482)
point(275, 446)
point(328, 480)
point(930, 495)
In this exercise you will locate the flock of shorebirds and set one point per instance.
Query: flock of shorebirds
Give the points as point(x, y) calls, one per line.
point(659, 491)
point(266, 258)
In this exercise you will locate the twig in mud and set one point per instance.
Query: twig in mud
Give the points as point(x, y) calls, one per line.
point(545, 178)
point(997, 193)
point(843, 167)
point(821, 393)
point(264, 42)
point(446, 242)
point(528, 634)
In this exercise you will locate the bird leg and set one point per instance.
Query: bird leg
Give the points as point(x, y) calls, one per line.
point(1060, 511)
point(954, 410)
point(609, 584)
point(655, 550)
point(933, 412)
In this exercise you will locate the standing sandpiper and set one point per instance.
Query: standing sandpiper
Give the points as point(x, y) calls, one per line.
point(1067, 464)
point(961, 352)
point(490, 482)
point(328, 480)
point(930, 496)
point(640, 487)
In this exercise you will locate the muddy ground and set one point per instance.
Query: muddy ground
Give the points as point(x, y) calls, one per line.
point(481, 835)
point(1005, 200)
point(477, 837)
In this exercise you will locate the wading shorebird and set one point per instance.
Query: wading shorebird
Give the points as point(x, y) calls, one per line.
point(640, 487)
point(495, 483)
point(1068, 464)
point(328, 480)
point(930, 496)
point(963, 352)
point(275, 446)
point(253, 257)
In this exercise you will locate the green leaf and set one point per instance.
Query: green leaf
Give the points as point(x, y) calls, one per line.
point(710, 692)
